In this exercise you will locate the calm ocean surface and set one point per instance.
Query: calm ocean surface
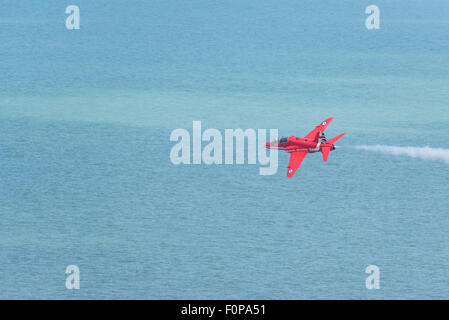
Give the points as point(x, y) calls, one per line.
point(86, 177)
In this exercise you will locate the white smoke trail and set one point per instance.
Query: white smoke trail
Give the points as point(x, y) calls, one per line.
point(425, 153)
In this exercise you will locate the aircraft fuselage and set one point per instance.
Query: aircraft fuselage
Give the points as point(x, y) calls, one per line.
point(299, 147)
point(299, 144)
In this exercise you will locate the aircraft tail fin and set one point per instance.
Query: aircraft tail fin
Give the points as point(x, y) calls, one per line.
point(325, 150)
point(333, 140)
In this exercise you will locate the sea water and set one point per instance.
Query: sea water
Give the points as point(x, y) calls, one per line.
point(86, 178)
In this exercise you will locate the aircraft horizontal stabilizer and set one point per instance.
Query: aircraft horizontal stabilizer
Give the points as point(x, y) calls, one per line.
point(325, 151)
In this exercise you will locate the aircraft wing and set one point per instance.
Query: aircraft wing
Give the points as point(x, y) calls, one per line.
point(296, 158)
point(321, 127)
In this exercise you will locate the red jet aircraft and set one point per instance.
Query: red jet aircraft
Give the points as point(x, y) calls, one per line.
point(298, 148)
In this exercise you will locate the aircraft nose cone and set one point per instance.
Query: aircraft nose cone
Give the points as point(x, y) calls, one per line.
point(267, 145)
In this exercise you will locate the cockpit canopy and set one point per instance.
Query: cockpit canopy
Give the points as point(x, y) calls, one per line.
point(279, 140)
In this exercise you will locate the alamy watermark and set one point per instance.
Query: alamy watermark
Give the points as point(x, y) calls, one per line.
point(73, 279)
point(73, 20)
point(189, 149)
point(373, 20)
point(373, 280)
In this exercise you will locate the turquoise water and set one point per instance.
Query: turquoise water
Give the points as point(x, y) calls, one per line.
point(86, 178)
